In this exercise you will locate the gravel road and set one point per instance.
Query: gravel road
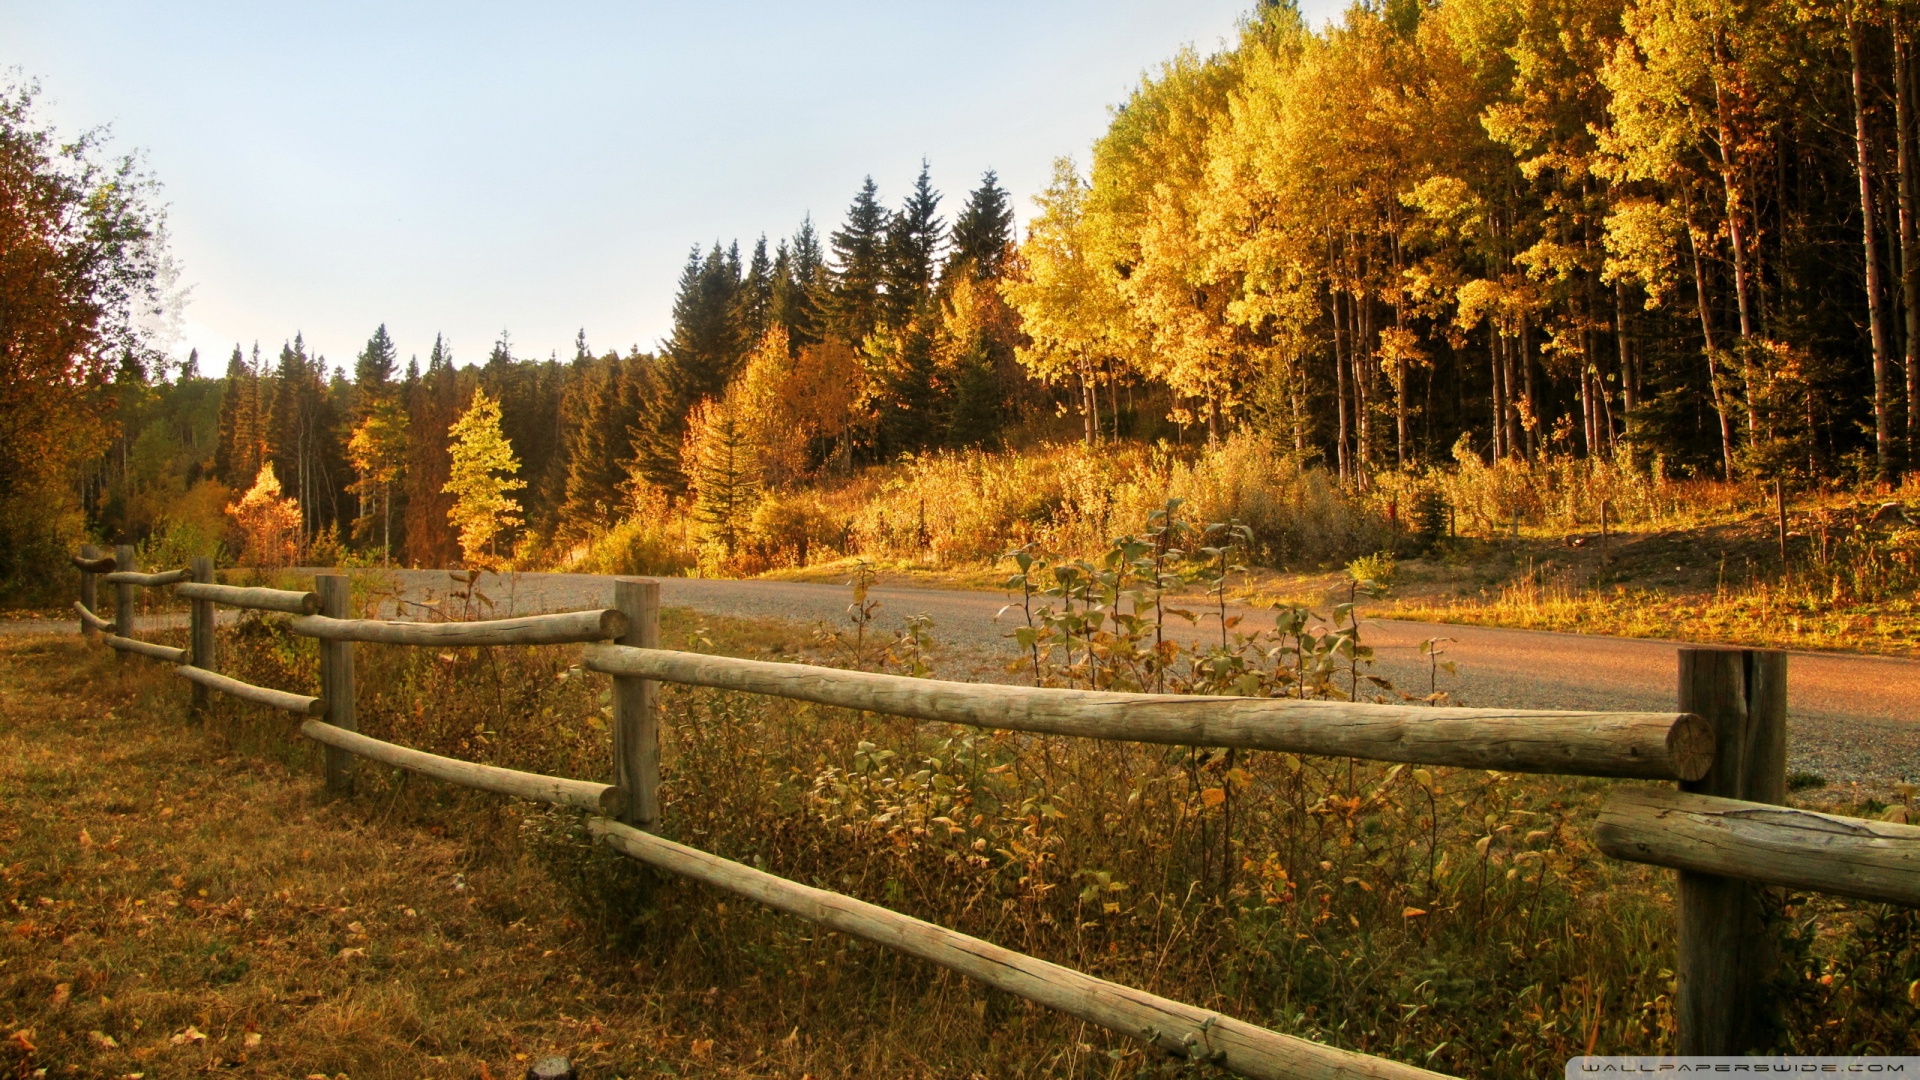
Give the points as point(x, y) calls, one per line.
point(1853, 719)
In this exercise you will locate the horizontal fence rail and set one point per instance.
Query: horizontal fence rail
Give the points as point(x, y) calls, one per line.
point(1726, 746)
point(566, 628)
point(1190, 1032)
point(99, 564)
point(555, 790)
point(298, 704)
point(293, 603)
point(92, 621)
point(1777, 845)
point(130, 577)
point(147, 648)
point(1652, 746)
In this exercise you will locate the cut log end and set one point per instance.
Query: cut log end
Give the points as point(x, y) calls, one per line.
point(613, 802)
point(1690, 746)
point(614, 623)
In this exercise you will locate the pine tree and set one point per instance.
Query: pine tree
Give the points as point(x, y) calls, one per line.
point(701, 357)
point(373, 369)
point(237, 449)
point(753, 304)
point(982, 236)
point(481, 479)
point(724, 469)
point(799, 285)
point(853, 299)
point(912, 253)
point(598, 455)
point(432, 407)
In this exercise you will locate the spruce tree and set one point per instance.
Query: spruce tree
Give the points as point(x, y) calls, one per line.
point(859, 268)
point(753, 304)
point(597, 451)
point(799, 285)
point(701, 357)
point(374, 367)
point(236, 454)
point(434, 404)
point(982, 235)
point(914, 236)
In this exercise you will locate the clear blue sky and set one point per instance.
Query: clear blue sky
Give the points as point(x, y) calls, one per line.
point(539, 168)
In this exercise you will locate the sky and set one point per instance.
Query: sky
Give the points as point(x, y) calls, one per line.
point(540, 169)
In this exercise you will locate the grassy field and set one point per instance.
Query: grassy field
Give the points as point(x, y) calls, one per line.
point(182, 896)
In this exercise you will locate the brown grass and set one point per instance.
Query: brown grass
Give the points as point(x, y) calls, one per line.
point(198, 883)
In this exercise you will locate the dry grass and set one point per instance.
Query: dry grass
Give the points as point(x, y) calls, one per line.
point(199, 887)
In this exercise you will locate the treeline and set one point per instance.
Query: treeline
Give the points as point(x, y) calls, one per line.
point(1682, 227)
point(782, 365)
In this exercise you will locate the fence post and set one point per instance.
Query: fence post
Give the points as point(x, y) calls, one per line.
point(89, 587)
point(336, 677)
point(200, 642)
point(123, 598)
point(1727, 953)
point(636, 721)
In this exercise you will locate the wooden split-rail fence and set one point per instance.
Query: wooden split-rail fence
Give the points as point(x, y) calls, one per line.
point(1722, 828)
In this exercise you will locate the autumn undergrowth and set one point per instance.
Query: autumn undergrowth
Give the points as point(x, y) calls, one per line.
point(1459, 919)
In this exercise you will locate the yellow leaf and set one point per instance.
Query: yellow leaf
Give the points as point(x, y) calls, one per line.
point(1423, 778)
point(702, 1047)
point(61, 993)
point(250, 1040)
point(1412, 913)
point(1213, 796)
point(1480, 846)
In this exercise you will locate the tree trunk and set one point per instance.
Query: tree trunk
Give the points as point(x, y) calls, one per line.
point(1877, 321)
point(1713, 361)
point(1529, 424)
point(1340, 378)
point(1500, 448)
point(1735, 203)
point(1909, 229)
point(1629, 378)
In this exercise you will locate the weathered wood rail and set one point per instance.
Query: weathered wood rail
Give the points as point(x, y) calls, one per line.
point(1723, 830)
point(1662, 746)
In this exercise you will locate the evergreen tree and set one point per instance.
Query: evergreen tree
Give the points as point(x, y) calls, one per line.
point(237, 449)
point(190, 367)
point(599, 448)
point(982, 236)
point(860, 257)
point(373, 369)
point(433, 405)
point(799, 285)
point(701, 357)
point(914, 236)
point(724, 470)
point(753, 305)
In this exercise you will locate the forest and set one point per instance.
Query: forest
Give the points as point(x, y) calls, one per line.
point(1673, 238)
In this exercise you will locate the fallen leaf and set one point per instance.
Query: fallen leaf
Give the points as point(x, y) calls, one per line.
point(1213, 796)
point(702, 1047)
point(23, 1039)
point(356, 928)
point(191, 1035)
point(178, 882)
point(250, 1040)
point(1412, 913)
point(351, 954)
point(86, 839)
point(61, 993)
